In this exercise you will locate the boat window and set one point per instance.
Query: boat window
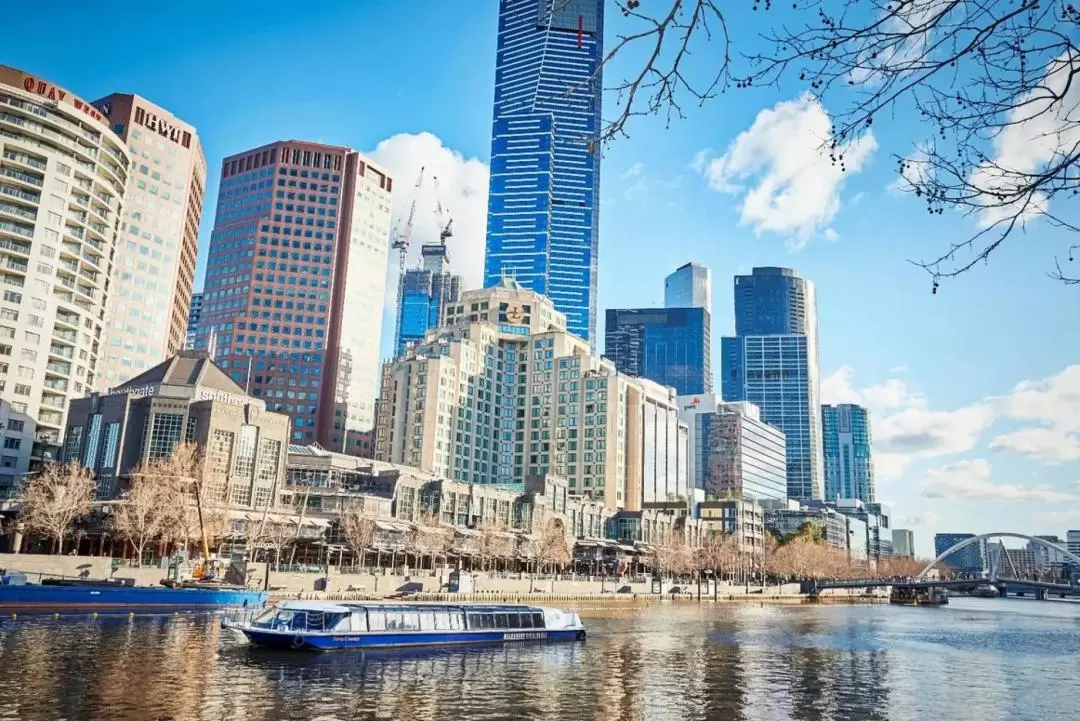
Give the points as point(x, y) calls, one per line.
point(500, 621)
point(410, 621)
point(427, 620)
point(538, 619)
point(394, 622)
point(474, 621)
point(339, 622)
point(514, 619)
point(487, 620)
point(359, 622)
point(377, 620)
point(299, 621)
point(442, 621)
point(526, 620)
point(457, 621)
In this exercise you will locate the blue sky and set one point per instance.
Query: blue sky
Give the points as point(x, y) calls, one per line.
point(958, 448)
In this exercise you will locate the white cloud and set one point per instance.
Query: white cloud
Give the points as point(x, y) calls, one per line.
point(1061, 517)
point(786, 152)
point(927, 518)
point(899, 368)
point(1045, 443)
point(638, 184)
point(463, 191)
point(1054, 401)
point(830, 235)
point(969, 480)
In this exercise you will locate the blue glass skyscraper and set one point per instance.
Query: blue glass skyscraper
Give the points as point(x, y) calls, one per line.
point(543, 203)
point(772, 361)
point(670, 346)
point(425, 293)
point(849, 464)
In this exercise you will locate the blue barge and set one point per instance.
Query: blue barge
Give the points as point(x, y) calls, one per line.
point(56, 596)
point(325, 625)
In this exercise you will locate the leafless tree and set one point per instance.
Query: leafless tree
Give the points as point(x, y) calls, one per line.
point(992, 81)
point(431, 537)
point(145, 510)
point(55, 498)
point(493, 542)
point(552, 549)
point(359, 529)
point(673, 555)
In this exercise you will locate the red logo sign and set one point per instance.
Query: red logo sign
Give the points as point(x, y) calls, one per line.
point(51, 92)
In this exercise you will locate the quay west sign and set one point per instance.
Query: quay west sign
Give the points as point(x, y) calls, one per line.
point(57, 95)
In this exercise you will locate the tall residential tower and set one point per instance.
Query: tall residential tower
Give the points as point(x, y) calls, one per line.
point(147, 315)
point(772, 361)
point(301, 234)
point(849, 464)
point(543, 203)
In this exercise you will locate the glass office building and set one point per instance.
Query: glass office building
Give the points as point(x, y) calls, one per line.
point(772, 361)
point(849, 463)
point(971, 559)
point(690, 286)
point(669, 346)
point(742, 456)
point(426, 291)
point(543, 203)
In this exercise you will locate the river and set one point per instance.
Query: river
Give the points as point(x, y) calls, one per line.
point(977, 659)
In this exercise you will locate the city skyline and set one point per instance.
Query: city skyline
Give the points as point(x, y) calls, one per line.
point(960, 443)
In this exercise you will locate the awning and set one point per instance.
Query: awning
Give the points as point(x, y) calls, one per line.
point(628, 549)
point(466, 532)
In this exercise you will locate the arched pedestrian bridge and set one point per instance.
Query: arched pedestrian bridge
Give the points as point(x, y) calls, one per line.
point(1003, 573)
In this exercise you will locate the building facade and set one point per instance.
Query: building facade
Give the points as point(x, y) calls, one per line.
point(971, 560)
point(849, 462)
point(426, 293)
point(742, 456)
point(544, 198)
point(63, 174)
point(17, 432)
point(194, 313)
point(745, 519)
point(154, 267)
point(690, 286)
point(504, 393)
point(184, 399)
point(670, 346)
point(772, 361)
point(301, 234)
point(903, 542)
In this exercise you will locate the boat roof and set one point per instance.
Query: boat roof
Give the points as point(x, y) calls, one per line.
point(349, 606)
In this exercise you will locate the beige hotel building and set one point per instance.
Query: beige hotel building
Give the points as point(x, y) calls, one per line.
point(63, 174)
point(504, 393)
point(154, 268)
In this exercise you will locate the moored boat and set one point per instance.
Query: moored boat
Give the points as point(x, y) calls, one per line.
point(104, 596)
point(918, 596)
point(327, 625)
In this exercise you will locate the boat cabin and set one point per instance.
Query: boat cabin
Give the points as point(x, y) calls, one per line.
point(382, 618)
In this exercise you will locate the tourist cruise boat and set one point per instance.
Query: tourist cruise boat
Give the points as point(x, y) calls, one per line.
point(327, 625)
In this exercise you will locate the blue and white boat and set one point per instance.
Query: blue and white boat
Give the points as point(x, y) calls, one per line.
point(327, 625)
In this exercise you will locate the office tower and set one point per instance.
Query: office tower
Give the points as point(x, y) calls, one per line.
point(772, 361)
point(154, 268)
point(690, 286)
point(63, 173)
point(849, 463)
point(743, 457)
point(972, 559)
point(544, 199)
point(426, 292)
point(295, 280)
point(194, 313)
point(503, 393)
point(903, 542)
point(670, 346)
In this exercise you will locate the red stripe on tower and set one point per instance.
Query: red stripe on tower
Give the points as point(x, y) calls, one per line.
point(580, 31)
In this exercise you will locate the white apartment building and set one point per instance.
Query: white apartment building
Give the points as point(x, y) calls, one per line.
point(63, 174)
point(503, 393)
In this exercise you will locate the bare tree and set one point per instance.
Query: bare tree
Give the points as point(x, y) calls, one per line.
point(992, 82)
point(493, 542)
point(673, 556)
point(431, 537)
point(552, 549)
point(56, 497)
point(359, 529)
point(145, 509)
point(273, 536)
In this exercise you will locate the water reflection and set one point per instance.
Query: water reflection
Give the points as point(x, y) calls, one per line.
point(984, 660)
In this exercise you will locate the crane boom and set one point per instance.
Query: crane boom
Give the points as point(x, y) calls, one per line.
point(441, 215)
point(401, 245)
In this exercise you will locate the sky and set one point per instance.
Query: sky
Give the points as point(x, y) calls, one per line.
point(974, 391)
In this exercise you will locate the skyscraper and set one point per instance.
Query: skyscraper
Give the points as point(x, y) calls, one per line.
point(426, 291)
point(63, 173)
point(543, 204)
point(301, 238)
point(772, 361)
point(670, 346)
point(690, 286)
point(849, 465)
point(972, 559)
point(194, 313)
point(147, 315)
point(741, 455)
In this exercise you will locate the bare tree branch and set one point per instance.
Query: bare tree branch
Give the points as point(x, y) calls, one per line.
point(55, 498)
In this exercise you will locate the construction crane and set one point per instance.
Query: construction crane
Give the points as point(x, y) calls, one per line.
point(445, 231)
point(400, 243)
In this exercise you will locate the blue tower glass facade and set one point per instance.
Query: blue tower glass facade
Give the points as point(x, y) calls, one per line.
point(670, 346)
point(971, 559)
point(543, 203)
point(849, 464)
point(425, 293)
point(772, 361)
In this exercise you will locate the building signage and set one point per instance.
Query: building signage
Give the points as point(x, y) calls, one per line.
point(55, 94)
point(162, 127)
point(206, 394)
point(694, 403)
point(136, 392)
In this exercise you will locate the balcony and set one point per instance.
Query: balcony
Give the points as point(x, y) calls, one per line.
point(21, 177)
point(24, 159)
point(66, 318)
point(49, 418)
point(70, 265)
point(59, 352)
point(83, 200)
point(59, 368)
point(17, 210)
point(20, 194)
point(14, 247)
point(68, 336)
point(75, 232)
point(51, 401)
point(66, 282)
point(17, 229)
point(99, 228)
point(15, 265)
point(57, 385)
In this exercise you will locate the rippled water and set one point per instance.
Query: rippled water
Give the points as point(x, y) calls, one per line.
point(982, 660)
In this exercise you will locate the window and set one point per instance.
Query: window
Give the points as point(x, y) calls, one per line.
point(13, 425)
point(221, 444)
point(244, 461)
point(92, 438)
point(73, 442)
point(376, 620)
point(12, 443)
point(112, 433)
point(164, 434)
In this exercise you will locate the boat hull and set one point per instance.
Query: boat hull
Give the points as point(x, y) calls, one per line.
point(303, 641)
point(32, 598)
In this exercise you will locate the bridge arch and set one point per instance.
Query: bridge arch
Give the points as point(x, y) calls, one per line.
point(984, 536)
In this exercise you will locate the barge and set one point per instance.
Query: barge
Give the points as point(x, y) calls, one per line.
point(109, 596)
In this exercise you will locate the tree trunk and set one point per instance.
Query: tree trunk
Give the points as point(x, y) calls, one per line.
point(60, 544)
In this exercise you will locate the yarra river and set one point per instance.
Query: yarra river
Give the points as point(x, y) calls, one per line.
point(977, 659)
